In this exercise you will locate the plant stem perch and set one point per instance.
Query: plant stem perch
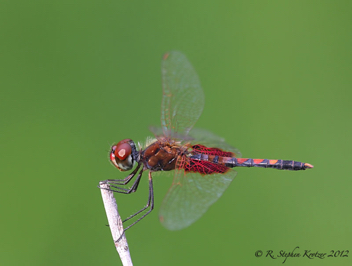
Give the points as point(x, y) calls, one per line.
point(115, 224)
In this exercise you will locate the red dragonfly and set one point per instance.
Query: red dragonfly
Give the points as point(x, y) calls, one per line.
point(201, 161)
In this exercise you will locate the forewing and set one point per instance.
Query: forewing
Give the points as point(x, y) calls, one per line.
point(190, 196)
point(183, 97)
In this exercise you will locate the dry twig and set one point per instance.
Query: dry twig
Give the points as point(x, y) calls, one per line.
point(115, 224)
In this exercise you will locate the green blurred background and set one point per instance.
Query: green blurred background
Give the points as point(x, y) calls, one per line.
point(77, 76)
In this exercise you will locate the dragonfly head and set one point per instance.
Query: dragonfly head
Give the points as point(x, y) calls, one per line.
point(124, 155)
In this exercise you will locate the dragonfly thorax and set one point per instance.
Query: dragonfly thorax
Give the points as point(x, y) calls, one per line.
point(124, 155)
point(161, 155)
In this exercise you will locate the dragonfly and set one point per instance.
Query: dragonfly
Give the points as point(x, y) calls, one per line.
point(201, 162)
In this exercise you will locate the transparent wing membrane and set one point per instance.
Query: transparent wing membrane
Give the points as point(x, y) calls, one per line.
point(209, 139)
point(183, 97)
point(190, 196)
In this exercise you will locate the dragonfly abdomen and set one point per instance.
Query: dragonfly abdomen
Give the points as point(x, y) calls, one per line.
point(265, 163)
point(213, 156)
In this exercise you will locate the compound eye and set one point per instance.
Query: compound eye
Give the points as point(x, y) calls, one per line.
point(123, 149)
point(121, 155)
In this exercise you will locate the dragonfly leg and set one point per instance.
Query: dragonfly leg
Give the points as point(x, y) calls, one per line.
point(124, 181)
point(122, 190)
point(150, 205)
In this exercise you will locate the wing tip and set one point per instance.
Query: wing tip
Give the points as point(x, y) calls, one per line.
point(166, 55)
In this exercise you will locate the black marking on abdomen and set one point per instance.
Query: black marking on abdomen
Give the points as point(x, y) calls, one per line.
point(231, 163)
point(216, 159)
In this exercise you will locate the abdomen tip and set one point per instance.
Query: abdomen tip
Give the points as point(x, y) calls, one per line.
point(307, 165)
